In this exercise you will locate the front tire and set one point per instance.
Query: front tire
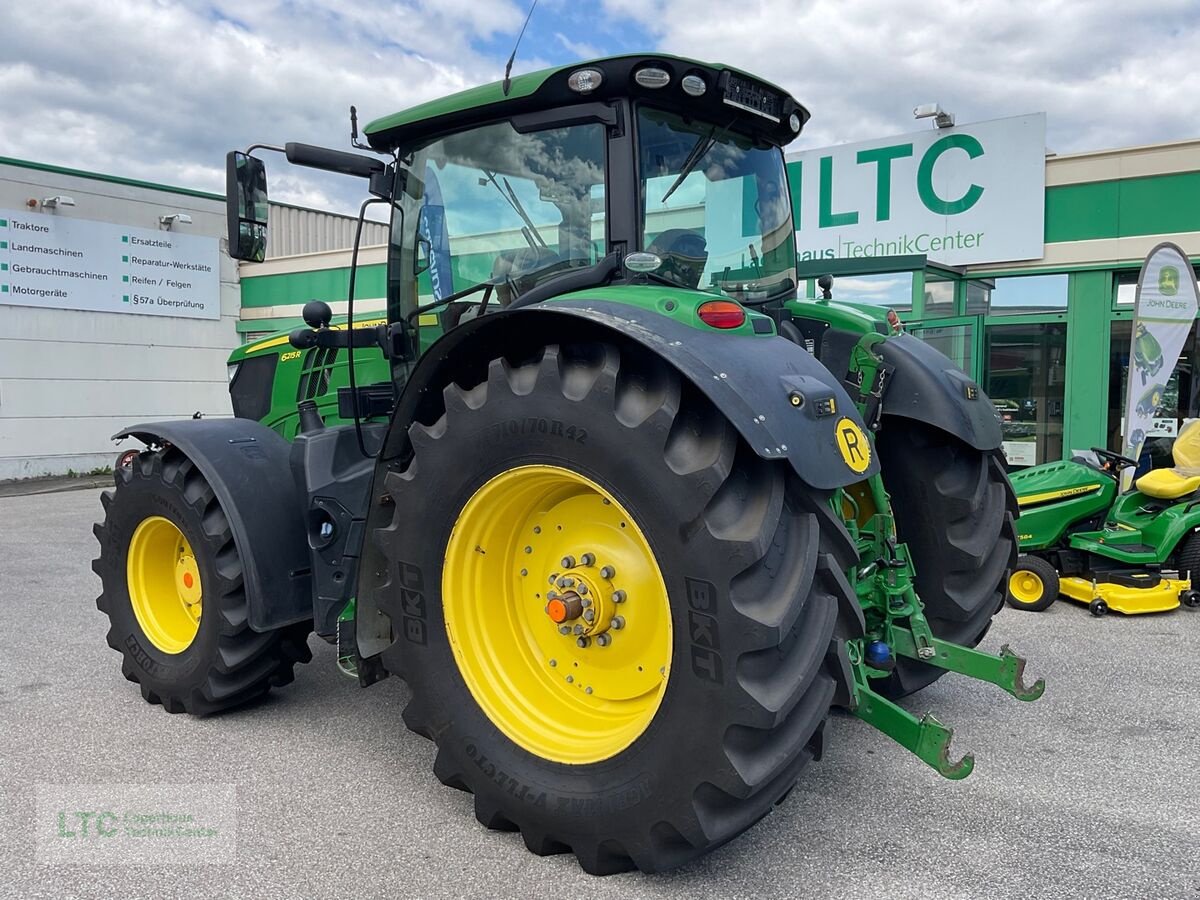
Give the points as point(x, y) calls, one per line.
point(174, 596)
point(1033, 585)
point(954, 508)
point(736, 596)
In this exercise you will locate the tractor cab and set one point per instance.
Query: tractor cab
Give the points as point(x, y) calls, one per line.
point(549, 183)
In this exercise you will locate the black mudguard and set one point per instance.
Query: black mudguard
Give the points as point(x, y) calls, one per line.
point(247, 465)
point(751, 379)
point(928, 387)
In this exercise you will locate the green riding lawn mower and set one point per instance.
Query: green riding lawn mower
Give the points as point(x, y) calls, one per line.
point(1133, 552)
point(627, 516)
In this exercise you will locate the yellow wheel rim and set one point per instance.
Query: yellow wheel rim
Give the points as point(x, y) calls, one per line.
point(164, 584)
point(1026, 586)
point(557, 614)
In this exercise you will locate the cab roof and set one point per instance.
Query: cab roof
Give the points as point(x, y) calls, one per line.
point(765, 113)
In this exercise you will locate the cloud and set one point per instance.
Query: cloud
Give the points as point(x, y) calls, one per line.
point(578, 48)
point(1108, 72)
point(160, 90)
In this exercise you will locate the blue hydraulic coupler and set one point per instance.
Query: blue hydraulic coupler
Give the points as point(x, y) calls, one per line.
point(879, 655)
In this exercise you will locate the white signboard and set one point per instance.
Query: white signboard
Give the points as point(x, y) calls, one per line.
point(52, 261)
point(969, 194)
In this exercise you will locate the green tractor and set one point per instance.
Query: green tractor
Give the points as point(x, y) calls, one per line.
point(627, 516)
point(1081, 538)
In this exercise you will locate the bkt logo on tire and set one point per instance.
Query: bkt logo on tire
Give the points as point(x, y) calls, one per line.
point(702, 631)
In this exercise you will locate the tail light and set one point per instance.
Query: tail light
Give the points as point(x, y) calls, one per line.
point(721, 314)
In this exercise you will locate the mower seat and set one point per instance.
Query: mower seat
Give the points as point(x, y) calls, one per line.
point(1184, 478)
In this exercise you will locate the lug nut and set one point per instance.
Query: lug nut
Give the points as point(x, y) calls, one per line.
point(554, 578)
point(589, 615)
point(603, 639)
point(582, 589)
point(618, 597)
point(617, 623)
point(568, 562)
point(579, 629)
point(585, 603)
point(564, 629)
point(608, 572)
point(583, 641)
point(551, 595)
point(588, 559)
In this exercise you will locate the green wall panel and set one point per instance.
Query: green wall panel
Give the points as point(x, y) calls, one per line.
point(324, 284)
point(1161, 204)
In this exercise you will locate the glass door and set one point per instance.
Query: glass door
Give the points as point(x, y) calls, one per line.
point(1024, 372)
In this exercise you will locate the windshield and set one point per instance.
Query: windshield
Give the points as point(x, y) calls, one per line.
point(715, 208)
point(499, 211)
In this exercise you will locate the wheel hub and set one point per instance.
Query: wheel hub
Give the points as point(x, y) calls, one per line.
point(163, 580)
point(582, 600)
point(1026, 586)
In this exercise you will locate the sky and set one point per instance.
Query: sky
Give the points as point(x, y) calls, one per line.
point(160, 90)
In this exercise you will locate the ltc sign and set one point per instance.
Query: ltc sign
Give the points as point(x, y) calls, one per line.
point(971, 194)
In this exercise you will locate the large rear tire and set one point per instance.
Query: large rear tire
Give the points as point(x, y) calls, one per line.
point(733, 575)
point(173, 593)
point(954, 508)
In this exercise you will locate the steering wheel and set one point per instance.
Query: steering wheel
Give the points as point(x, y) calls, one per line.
point(1113, 462)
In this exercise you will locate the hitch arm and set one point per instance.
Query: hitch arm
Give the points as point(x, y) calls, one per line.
point(926, 737)
point(1006, 670)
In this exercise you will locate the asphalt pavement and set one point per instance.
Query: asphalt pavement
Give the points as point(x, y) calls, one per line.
point(1093, 791)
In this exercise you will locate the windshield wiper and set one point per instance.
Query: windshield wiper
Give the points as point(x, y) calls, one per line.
point(699, 149)
point(530, 231)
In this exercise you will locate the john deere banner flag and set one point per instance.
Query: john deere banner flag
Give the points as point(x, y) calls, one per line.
point(1163, 315)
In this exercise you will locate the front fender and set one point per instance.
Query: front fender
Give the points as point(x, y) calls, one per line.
point(927, 387)
point(778, 396)
point(247, 465)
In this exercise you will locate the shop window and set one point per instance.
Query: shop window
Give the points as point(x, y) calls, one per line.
point(939, 297)
point(1181, 397)
point(893, 290)
point(955, 341)
point(1028, 294)
point(1126, 286)
point(979, 295)
point(1024, 369)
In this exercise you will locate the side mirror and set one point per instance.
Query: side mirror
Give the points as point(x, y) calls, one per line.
point(246, 206)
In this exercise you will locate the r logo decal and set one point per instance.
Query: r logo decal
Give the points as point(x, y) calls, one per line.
point(853, 444)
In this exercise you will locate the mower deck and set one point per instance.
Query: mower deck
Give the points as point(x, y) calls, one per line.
point(1160, 596)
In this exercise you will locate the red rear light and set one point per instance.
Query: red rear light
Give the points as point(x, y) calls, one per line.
point(721, 314)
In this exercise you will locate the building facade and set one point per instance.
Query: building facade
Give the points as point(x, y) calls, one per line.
point(117, 305)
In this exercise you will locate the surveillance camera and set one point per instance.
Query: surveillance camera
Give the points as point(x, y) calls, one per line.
point(941, 118)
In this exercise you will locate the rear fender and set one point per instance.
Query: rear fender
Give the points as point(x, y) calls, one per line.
point(778, 396)
point(247, 465)
point(927, 387)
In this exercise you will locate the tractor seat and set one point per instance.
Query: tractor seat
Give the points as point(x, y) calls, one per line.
point(1184, 478)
